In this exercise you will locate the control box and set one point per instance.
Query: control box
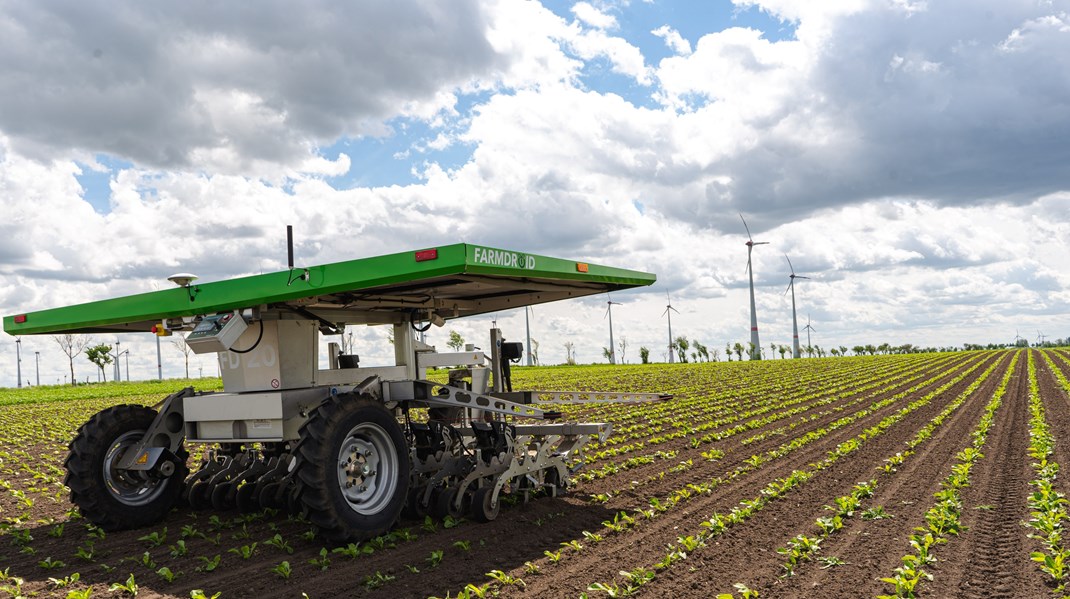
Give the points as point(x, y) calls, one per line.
point(216, 333)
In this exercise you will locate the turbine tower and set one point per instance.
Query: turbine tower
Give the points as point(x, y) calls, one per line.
point(527, 328)
point(756, 346)
point(794, 320)
point(609, 313)
point(668, 313)
point(808, 328)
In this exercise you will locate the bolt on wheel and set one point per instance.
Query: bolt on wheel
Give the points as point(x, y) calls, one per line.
point(367, 465)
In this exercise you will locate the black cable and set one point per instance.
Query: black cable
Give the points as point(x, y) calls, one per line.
point(258, 338)
point(425, 328)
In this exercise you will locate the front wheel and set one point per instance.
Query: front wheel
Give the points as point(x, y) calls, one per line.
point(111, 498)
point(352, 469)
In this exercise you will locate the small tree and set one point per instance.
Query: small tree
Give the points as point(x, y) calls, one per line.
point(180, 342)
point(728, 351)
point(738, 348)
point(682, 345)
point(622, 345)
point(752, 350)
point(534, 352)
point(456, 342)
point(716, 353)
point(783, 349)
point(570, 347)
point(644, 354)
point(859, 350)
point(843, 350)
point(607, 354)
point(72, 345)
point(701, 351)
point(101, 356)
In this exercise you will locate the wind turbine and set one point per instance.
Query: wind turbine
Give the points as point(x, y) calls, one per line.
point(756, 347)
point(1040, 338)
point(808, 328)
point(668, 312)
point(609, 313)
point(794, 320)
point(1017, 337)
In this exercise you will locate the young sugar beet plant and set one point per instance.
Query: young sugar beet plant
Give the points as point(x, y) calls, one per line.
point(942, 519)
point(1049, 506)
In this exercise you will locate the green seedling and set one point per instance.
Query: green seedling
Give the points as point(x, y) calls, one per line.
point(129, 587)
point(322, 562)
point(209, 563)
point(283, 570)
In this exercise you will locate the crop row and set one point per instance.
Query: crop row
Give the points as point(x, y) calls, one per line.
point(625, 522)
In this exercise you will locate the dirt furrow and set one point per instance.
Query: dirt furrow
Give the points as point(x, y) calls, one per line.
point(990, 558)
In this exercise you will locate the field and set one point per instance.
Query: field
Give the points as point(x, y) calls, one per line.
point(929, 475)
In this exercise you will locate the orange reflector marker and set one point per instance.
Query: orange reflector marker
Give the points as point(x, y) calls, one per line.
point(425, 255)
point(581, 267)
point(21, 318)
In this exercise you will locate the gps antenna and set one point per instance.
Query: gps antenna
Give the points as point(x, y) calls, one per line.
point(290, 245)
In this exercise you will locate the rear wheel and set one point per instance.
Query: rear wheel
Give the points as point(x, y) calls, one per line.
point(352, 469)
point(111, 498)
point(483, 509)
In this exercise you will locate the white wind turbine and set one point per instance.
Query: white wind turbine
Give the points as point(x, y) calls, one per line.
point(668, 313)
point(609, 314)
point(808, 328)
point(794, 320)
point(756, 346)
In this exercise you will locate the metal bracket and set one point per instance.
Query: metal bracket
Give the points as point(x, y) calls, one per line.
point(167, 430)
point(463, 398)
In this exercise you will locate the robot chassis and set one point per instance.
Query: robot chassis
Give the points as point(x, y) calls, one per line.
point(350, 447)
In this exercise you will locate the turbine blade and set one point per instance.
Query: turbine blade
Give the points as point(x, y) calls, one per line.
point(789, 264)
point(745, 226)
point(788, 288)
point(674, 309)
point(802, 277)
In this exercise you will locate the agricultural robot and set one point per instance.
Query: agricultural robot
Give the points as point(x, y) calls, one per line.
point(350, 446)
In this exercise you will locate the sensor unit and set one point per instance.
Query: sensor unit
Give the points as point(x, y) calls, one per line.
point(216, 333)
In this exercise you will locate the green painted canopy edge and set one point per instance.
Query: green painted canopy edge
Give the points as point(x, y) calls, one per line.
point(338, 277)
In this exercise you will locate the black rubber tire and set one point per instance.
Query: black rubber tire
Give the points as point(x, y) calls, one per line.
point(482, 509)
point(85, 477)
point(200, 496)
point(246, 498)
point(223, 496)
point(553, 478)
point(444, 505)
point(320, 495)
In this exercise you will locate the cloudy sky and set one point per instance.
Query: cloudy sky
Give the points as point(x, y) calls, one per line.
point(911, 157)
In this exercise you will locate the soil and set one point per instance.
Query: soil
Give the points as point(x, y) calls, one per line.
point(989, 559)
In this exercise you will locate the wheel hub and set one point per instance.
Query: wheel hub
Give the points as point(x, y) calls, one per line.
point(366, 459)
point(127, 486)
